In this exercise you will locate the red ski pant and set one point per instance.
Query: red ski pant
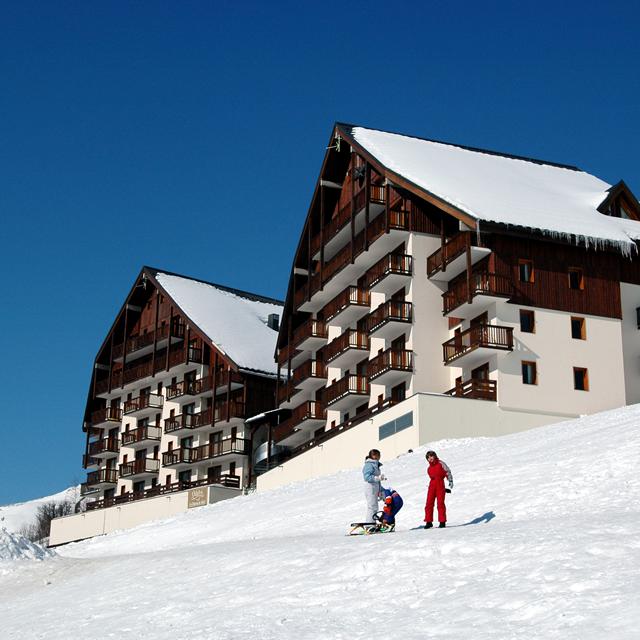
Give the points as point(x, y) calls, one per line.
point(436, 491)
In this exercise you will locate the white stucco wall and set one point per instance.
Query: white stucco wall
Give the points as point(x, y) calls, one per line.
point(630, 296)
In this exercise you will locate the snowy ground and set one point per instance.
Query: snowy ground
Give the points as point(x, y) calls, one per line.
point(543, 543)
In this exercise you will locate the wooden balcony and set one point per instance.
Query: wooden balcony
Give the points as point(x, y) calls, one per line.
point(303, 420)
point(369, 246)
point(285, 391)
point(189, 422)
point(486, 288)
point(475, 390)
point(347, 349)
point(309, 376)
point(452, 258)
point(142, 468)
point(347, 393)
point(146, 404)
point(144, 343)
point(141, 436)
point(188, 388)
point(390, 367)
point(102, 478)
point(477, 344)
point(347, 307)
point(390, 273)
point(89, 462)
point(185, 457)
point(232, 411)
point(104, 448)
point(105, 416)
point(310, 336)
point(390, 319)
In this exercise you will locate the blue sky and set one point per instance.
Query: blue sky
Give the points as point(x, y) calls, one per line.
point(188, 136)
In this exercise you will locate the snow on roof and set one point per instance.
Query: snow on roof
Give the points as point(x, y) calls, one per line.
point(556, 200)
point(235, 321)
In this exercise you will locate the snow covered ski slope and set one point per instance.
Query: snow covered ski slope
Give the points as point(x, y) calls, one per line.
point(543, 543)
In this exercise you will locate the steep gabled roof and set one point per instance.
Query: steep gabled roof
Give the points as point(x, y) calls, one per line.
point(234, 321)
point(490, 187)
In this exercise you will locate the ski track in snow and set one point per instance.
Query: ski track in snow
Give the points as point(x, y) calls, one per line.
point(550, 550)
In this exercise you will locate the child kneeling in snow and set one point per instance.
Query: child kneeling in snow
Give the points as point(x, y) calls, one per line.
point(392, 504)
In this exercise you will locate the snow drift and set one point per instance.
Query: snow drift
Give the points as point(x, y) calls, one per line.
point(542, 543)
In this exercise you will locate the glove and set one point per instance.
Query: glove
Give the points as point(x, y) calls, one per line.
point(447, 490)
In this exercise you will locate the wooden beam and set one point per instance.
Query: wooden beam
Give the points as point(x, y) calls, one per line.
point(367, 199)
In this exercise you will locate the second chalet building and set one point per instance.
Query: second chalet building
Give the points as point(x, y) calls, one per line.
point(450, 291)
point(184, 364)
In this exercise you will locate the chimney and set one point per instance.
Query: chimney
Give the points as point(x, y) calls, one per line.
point(273, 321)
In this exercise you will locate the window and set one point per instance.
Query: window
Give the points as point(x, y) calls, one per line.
point(578, 330)
point(580, 379)
point(527, 321)
point(525, 268)
point(576, 278)
point(399, 424)
point(529, 373)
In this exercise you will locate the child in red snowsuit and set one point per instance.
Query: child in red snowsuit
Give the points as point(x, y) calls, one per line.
point(438, 471)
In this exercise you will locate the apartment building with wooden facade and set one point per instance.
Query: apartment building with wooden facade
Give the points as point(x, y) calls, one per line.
point(183, 365)
point(427, 268)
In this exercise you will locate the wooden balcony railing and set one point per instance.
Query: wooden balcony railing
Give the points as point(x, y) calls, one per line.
point(310, 329)
point(102, 476)
point(393, 263)
point(475, 389)
point(389, 311)
point(482, 283)
point(348, 384)
point(225, 480)
point(238, 446)
point(137, 372)
point(225, 411)
point(351, 296)
point(483, 335)
point(146, 401)
point(285, 391)
point(451, 249)
point(306, 411)
point(88, 461)
point(135, 343)
point(140, 435)
point(106, 445)
point(391, 359)
point(188, 421)
point(108, 414)
point(137, 467)
point(350, 339)
point(308, 369)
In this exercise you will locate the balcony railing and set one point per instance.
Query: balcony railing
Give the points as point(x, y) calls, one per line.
point(188, 421)
point(225, 411)
point(141, 434)
point(390, 360)
point(350, 339)
point(310, 329)
point(146, 401)
point(285, 390)
point(351, 296)
point(106, 445)
point(188, 388)
point(309, 369)
point(482, 283)
point(451, 249)
point(391, 264)
point(108, 414)
point(312, 410)
point(225, 480)
point(475, 389)
point(389, 311)
point(483, 335)
point(138, 467)
point(136, 343)
point(347, 385)
point(228, 446)
point(102, 476)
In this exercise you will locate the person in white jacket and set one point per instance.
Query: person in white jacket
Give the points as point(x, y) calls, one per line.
point(372, 477)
